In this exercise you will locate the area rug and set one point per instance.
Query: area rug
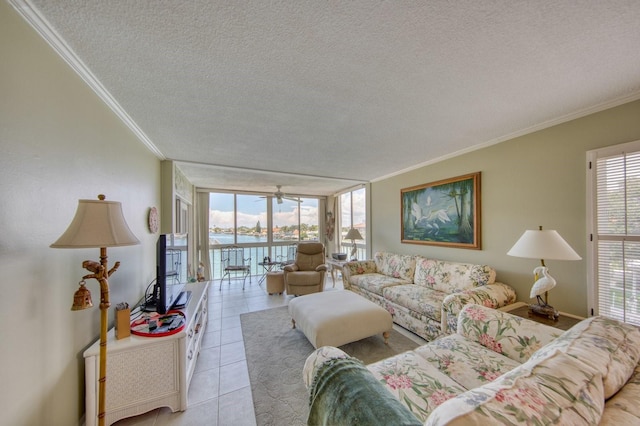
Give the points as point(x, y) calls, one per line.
point(275, 357)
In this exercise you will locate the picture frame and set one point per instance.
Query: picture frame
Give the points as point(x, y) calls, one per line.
point(443, 213)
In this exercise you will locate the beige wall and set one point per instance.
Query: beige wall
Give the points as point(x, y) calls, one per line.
point(538, 179)
point(59, 143)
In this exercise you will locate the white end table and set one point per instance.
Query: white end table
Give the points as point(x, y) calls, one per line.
point(336, 264)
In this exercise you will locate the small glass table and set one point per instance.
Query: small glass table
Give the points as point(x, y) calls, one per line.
point(268, 267)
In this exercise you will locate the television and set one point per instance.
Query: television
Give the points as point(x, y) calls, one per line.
point(171, 272)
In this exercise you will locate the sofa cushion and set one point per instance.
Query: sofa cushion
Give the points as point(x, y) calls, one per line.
point(421, 300)
point(494, 295)
point(304, 278)
point(615, 416)
point(610, 346)
point(416, 383)
point(468, 363)
point(309, 256)
point(451, 277)
point(427, 328)
point(506, 334)
point(375, 283)
point(623, 407)
point(396, 265)
point(559, 390)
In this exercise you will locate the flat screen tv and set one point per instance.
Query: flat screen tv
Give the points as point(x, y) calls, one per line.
point(171, 271)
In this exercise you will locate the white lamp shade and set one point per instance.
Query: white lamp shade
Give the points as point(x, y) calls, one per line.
point(353, 234)
point(97, 223)
point(543, 244)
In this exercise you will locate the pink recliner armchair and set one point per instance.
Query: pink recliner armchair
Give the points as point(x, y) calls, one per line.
point(306, 274)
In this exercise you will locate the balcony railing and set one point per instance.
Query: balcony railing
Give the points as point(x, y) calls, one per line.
point(255, 252)
point(277, 251)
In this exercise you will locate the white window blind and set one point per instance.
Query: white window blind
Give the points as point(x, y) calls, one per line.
point(616, 238)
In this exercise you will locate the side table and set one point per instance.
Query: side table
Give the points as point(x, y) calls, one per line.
point(336, 264)
point(564, 322)
point(268, 267)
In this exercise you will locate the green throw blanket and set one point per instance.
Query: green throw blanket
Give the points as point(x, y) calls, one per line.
point(344, 392)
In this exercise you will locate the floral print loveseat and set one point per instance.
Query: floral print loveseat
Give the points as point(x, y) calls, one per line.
point(502, 369)
point(425, 295)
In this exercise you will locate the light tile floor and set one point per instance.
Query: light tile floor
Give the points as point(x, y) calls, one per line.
point(220, 393)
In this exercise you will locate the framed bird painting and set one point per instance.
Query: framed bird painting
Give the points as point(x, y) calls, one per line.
point(443, 213)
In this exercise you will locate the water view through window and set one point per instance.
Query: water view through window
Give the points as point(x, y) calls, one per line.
point(265, 226)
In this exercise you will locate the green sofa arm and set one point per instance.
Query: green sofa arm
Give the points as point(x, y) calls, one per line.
point(494, 296)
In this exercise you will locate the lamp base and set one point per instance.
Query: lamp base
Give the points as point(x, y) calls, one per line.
point(544, 310)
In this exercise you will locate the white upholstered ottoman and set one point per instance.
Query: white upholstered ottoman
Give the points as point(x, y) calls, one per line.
point(335, 318)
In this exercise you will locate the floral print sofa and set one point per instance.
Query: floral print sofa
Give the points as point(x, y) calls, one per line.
point(502, 369)
point(425, 295)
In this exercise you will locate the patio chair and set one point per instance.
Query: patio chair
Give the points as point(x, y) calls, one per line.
point(290, 256)
point(233, 262)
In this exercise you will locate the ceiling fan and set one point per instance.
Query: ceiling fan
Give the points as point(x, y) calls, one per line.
point(279, 196)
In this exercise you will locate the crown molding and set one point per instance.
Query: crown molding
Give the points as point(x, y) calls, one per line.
point(634, 96)
point(33, 17)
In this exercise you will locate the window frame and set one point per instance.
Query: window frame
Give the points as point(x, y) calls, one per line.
point(270, 201)
point(593, 255)
point(364, 244)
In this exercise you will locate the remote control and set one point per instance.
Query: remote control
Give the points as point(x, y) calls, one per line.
point(177, 322)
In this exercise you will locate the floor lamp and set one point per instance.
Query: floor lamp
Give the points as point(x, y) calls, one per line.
point(97, 224)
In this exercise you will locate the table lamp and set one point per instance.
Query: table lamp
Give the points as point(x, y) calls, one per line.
point(353, 235)
point(97, 223)
point(539, 244)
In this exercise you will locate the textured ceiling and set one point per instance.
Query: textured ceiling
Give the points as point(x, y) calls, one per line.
point(348, 91)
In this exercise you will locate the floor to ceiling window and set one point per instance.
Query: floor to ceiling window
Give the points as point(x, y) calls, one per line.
point(237, 218)
point(295, 221)
point(353, 214)
point(265, 226)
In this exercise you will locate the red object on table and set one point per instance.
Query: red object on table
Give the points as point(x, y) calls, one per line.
point(140, 327)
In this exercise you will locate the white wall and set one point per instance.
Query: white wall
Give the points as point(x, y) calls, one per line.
point(60, 143)
point(537, 179)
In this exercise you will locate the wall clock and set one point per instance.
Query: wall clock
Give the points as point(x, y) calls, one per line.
point(153, 220)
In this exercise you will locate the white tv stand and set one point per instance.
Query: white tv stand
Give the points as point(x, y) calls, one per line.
point(144, 373)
